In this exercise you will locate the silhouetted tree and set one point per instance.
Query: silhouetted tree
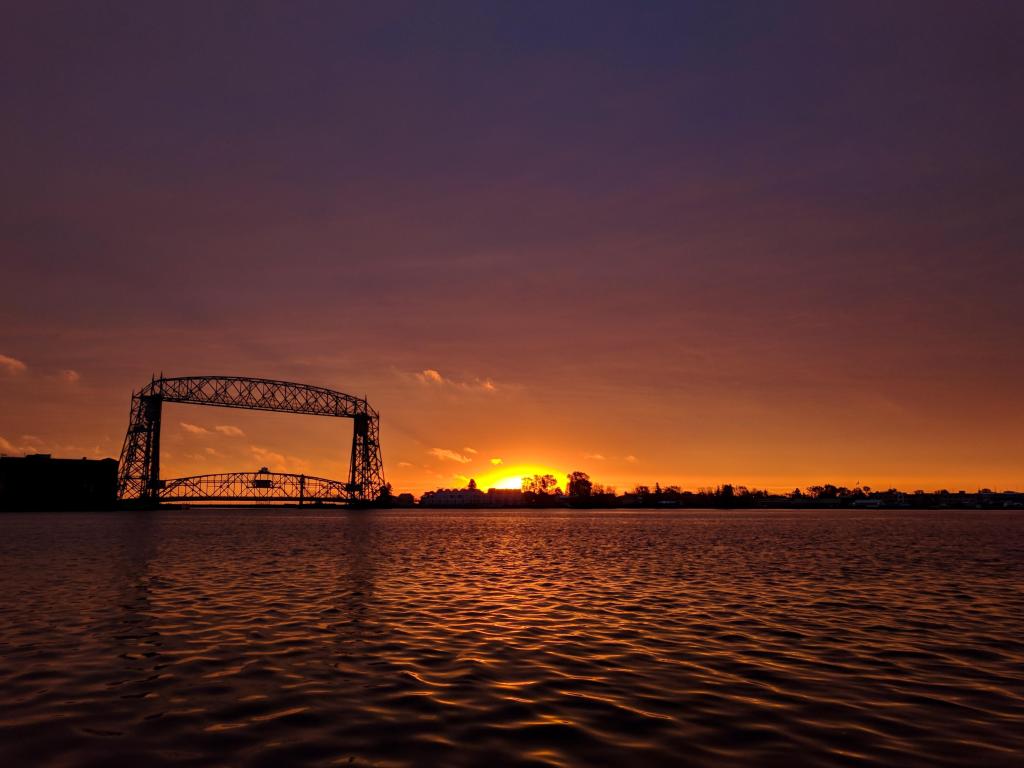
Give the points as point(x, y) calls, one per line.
point(827, 491)
point(540, 485)
point(579, 485)
point(472, 484)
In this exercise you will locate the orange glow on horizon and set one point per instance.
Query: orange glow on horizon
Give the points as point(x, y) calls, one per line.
point(512, 477)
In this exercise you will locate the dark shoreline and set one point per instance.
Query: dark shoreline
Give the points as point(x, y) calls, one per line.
point(538, 508)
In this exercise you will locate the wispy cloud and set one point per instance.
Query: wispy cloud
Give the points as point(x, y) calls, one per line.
point(467, 449)
point(223, 429)
point(434, 378)
point(495, 461)
point(632, 459)
point(31, 444)
point(594, 456)
point(430, 376)
point(404, 464)
point(6, 446)
point(12, 365)
point(267, 456)
point(70, 376)
point(278, 462)
point(448, 455)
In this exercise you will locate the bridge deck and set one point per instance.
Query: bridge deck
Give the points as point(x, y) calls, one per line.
point(254, 486)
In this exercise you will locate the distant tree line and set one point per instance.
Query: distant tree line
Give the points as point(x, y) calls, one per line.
point(581, 491)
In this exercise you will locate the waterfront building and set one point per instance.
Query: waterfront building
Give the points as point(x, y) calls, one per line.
point(39, 481)
point(472, 497)
point(505, 497)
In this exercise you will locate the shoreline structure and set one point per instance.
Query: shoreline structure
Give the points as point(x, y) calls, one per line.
point(40, 482)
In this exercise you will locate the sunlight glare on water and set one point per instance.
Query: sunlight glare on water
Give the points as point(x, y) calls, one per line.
point(276, 637)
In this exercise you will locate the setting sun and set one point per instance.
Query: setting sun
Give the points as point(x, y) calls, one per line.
point(512, 477)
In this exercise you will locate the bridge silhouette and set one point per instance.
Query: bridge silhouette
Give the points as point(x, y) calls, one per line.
point(139, 467)
point(263, 485)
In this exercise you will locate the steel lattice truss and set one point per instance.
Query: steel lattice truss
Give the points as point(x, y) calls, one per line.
point(251, 486)
point(139, 469)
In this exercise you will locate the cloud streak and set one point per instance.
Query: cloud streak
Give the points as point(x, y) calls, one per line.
point(12, 365)
point(433, 378)
point(445, 454)
point(278, 462)
point(430, 376)
point(223, 429)
point(7, 447)
point(29, 444)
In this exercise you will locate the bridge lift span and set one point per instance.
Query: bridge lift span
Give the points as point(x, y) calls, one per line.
point(139, 468)
point(254, 486)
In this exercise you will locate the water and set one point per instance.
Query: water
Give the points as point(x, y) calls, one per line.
point(270, 637)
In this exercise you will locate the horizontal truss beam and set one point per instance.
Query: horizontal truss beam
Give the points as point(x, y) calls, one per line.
point(250, 486)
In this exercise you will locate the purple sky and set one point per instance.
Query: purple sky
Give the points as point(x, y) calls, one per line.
point(772, 243)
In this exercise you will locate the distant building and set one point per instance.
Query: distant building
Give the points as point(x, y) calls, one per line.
point(868, 503)
point(472, 497)
point(39, 482)
point(505, 497)
point(453, 497)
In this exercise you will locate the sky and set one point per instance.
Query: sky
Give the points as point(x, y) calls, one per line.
point(775, 244)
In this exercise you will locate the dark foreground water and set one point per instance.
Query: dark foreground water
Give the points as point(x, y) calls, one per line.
point(268, 637)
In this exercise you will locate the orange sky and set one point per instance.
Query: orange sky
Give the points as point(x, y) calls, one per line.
point(440, 429)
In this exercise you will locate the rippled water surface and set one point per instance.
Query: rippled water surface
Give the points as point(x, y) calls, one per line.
point(271, 637)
